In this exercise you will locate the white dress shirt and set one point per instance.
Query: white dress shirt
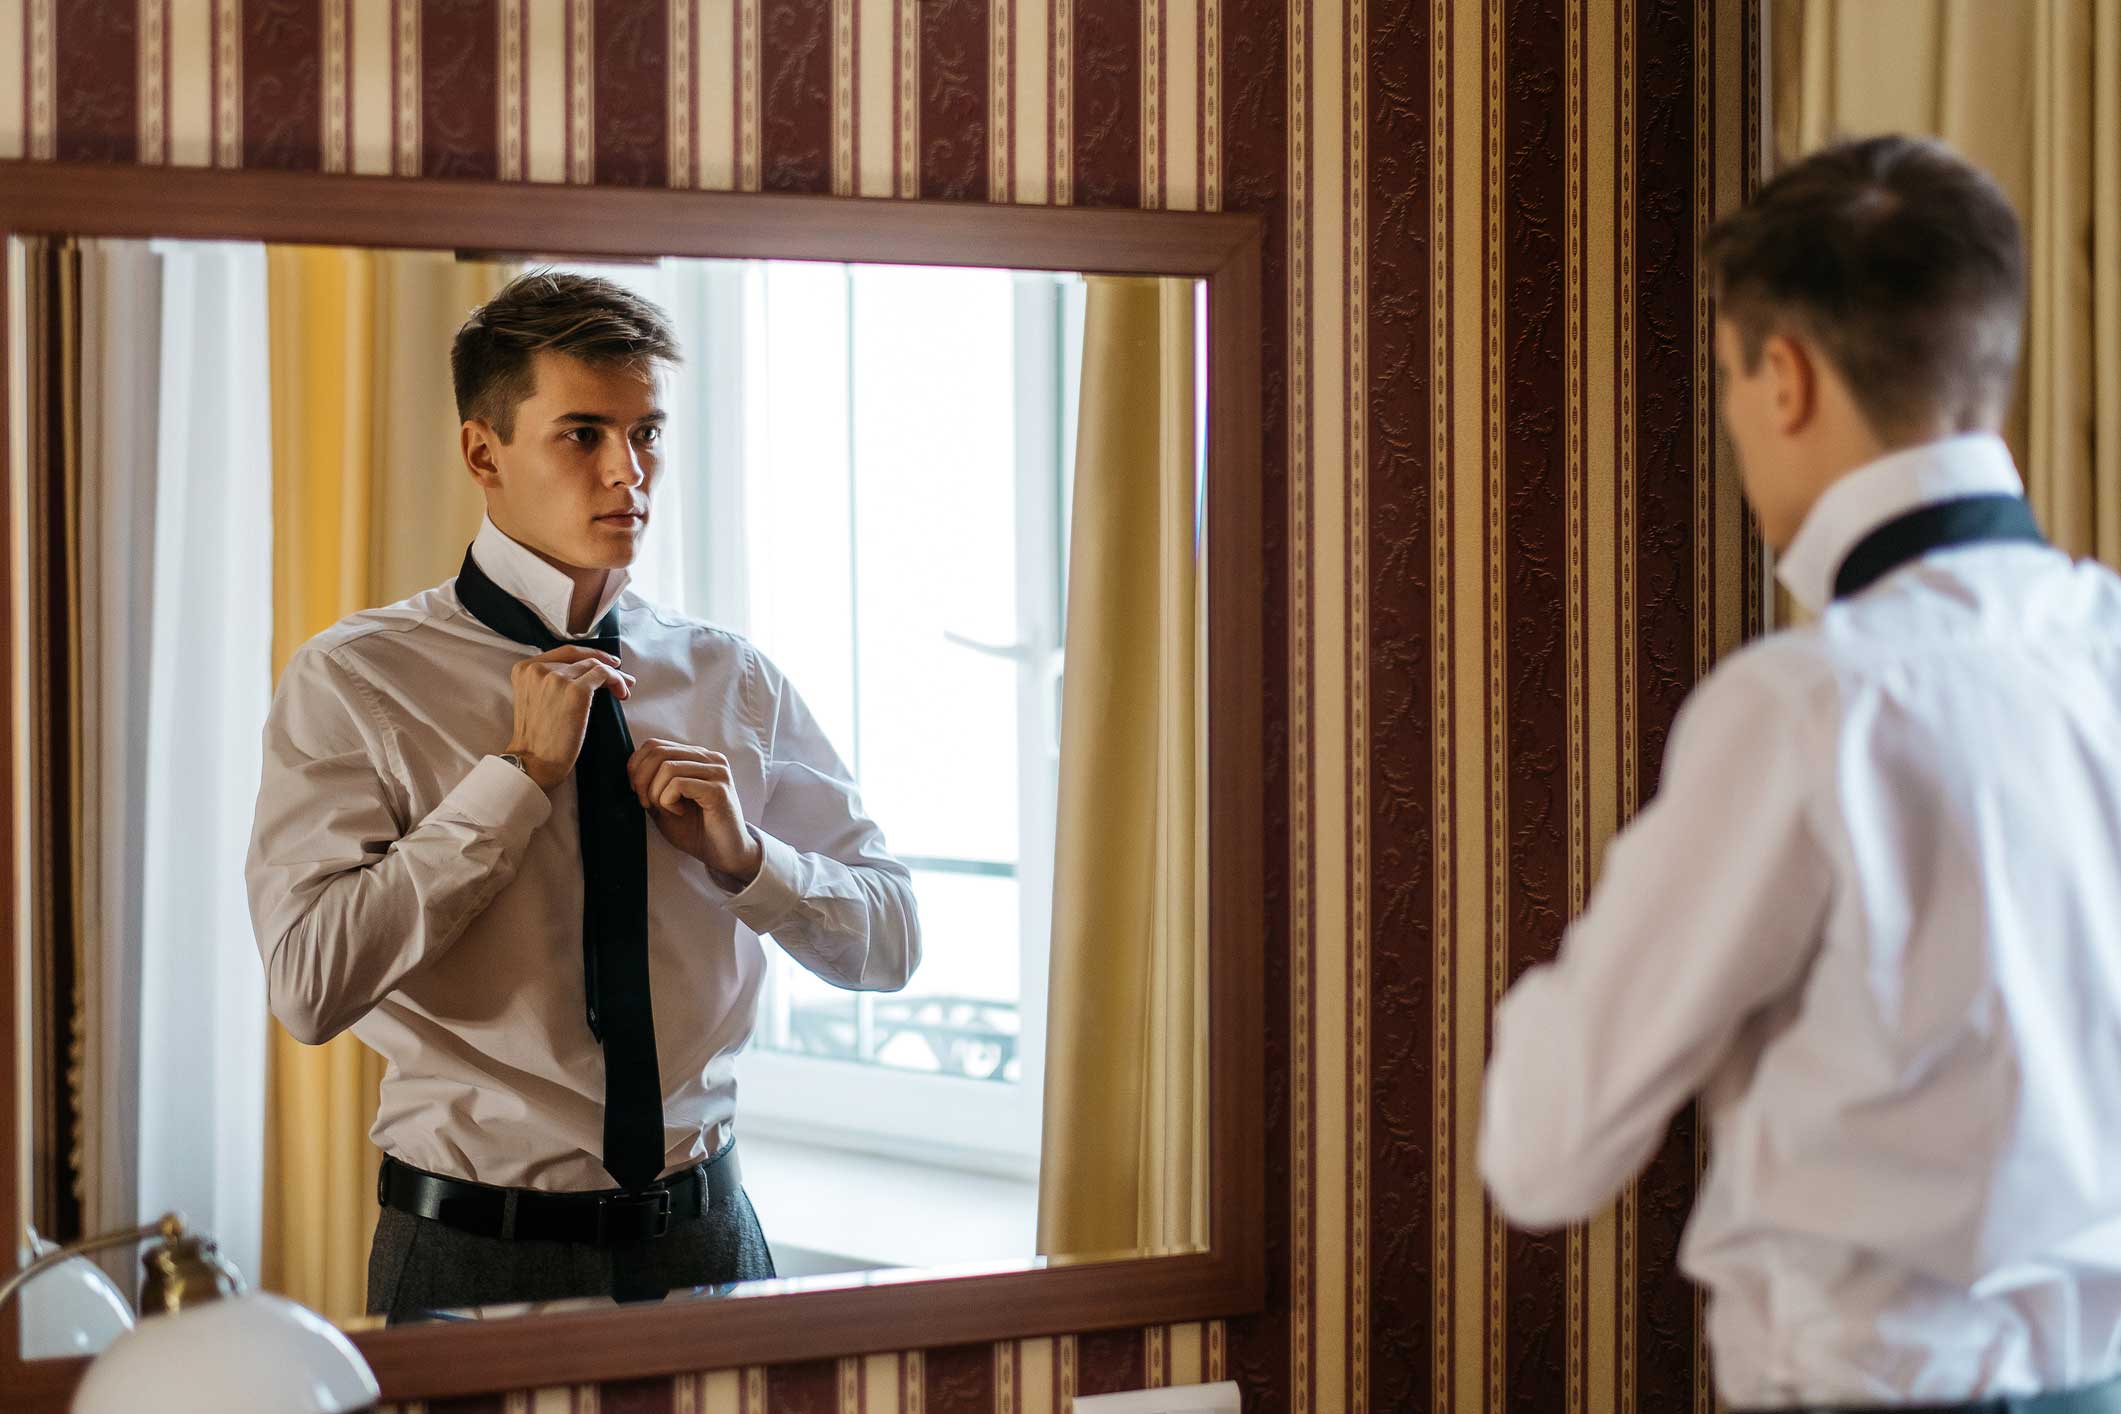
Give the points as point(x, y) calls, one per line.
point(1873, 917)
point(408, 884)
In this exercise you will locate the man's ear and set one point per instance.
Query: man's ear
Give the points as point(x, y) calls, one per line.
point(478, 440)
point(1794, 375)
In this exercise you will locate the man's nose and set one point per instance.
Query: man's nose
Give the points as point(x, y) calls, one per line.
point(625, 469)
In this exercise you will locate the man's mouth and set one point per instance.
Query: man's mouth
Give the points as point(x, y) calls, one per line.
point(624, 517)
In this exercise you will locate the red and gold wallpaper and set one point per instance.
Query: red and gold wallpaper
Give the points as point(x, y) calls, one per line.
point(1501, 543)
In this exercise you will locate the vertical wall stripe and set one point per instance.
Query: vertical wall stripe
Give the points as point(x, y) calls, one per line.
point(1060, 101)
point(1399, 1316)
point(1034, 1378)
point(913, 1383)
point(1355, 536)
point(1188, 1363)
point(95, 65)
point(547, 117)
point(1732, 536)
point(1496, 930)
point(406, 103)
point(1181, 105)
point(374, 77)
point(1001, 108)
point(715, 83)
point(906, 118)
point(683, 108)
point(1030, 123)
point(1326, 672)
point(952, 151)
point(460, 88)
point(1581, 1369)
point(795, 96)
point(1476, 1274)
point(42, 114)
point(1152, 103)
point(875, 96)
point(281, 109)
point(1302, 868)
point(338, 93)
point(1107, 147)
point(152, 80)
point(581, 98)
point(880, 1389)
point(1624, 576)
point(514, 24)
point(228, 81)
point(14, 78)
point(1156, 1368)
point(1597, 624)
point(1533, 494)
point(1445, 1340)
point(1005, 1400)
point(749, 142)
point(1211, 63)
point(843, 114)
point(629, 56)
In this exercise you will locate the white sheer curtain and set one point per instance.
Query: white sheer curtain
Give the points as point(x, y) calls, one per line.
point(121, 315)
point(202, 1033)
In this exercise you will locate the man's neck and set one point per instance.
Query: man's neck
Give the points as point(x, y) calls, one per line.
point(588, 584)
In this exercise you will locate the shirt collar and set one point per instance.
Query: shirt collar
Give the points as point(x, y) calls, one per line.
point(1972, 465)
point(546, 590)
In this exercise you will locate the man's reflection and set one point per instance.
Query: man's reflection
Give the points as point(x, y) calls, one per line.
point(521, 833)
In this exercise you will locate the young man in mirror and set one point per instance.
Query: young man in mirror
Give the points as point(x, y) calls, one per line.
point(521, 834)
point(1873, 917)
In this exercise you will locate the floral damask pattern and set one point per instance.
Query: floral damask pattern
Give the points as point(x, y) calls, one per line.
point(95, 116)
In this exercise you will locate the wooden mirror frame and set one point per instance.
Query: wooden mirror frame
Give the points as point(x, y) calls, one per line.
point(442, 1359)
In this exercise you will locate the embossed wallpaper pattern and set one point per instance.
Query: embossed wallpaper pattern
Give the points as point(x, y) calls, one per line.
point(1500, 547)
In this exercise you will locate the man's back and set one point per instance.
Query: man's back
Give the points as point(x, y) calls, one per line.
point(1924, 1129)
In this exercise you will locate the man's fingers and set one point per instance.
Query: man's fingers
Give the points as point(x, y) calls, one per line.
point(679, 789)
point(698, 778)
point(591, 674)
point(574, 653)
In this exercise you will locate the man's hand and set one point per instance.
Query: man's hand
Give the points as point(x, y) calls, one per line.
point(690, 794)
point(553, 693)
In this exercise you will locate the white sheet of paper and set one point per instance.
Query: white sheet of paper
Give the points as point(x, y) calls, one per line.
point(1183, 1399)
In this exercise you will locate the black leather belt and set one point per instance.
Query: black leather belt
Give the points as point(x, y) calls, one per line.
point(2096, 1399)
point(601, 1217)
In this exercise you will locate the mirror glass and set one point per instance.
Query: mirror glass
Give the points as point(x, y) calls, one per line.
point(910, 638)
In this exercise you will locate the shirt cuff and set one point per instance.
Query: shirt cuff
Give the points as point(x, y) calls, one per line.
point(773, 893)
point(499, 796)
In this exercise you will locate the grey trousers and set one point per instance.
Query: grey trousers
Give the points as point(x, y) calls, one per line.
point(417, 1266)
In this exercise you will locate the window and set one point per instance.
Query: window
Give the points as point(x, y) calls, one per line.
point(869, 470)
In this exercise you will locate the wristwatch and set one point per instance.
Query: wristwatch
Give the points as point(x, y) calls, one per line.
point(516, 761)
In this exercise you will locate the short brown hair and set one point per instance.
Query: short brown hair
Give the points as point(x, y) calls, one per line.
point(1897, 258)
point(549, 311)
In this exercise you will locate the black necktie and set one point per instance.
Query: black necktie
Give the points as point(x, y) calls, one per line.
point(614, 835)
point(1966, 520)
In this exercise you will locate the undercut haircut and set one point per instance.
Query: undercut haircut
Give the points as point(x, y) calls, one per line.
point(549, 311)
point(1899, 260)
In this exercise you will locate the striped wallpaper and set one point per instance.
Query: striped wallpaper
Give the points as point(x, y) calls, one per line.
point(1501, 543)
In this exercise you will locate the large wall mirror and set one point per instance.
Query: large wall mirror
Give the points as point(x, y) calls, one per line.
point(958, 508)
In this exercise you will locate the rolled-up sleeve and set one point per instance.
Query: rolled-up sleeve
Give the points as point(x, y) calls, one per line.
point(828, 889)
point(346, 899)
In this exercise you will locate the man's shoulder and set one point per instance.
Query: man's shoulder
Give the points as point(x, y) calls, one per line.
point(346, 642)
point(688, 635)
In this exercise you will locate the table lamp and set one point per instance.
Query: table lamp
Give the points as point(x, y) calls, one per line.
point(205, 1344)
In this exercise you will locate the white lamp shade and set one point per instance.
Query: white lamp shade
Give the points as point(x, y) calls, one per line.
point(254, 1352)
point(71, 1310)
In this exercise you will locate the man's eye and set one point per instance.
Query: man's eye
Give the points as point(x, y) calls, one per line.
point(583, 436)
point(649, 436)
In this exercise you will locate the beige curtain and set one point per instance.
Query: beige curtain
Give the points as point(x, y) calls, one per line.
point(1125, 1157)
point(370, 504)
point(2030, 90)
